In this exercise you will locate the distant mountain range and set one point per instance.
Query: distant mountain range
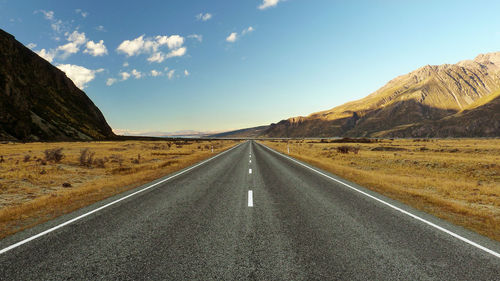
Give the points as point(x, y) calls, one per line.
point(450, 100)
point(38, 101)
point(183, 133)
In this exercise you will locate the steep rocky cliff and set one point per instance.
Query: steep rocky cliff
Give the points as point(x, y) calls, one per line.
point(38, 101)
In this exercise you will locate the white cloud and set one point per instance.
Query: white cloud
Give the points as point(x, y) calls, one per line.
point(268, 4)
point(125, 64)
point(172, 42)
point(47, 55)
point(177, 53)
point(141, 45)
point(247, 30)
point(31, 45)
point(196, 36)
point(170, 74)
point(132, 47)
point(158, 57)
point(232, 37)
point(203, 17)
point(67, 50)
point(125, 75)
point(110, 81)
point(80, 75)
point(96, 49)
point(82, 13)
point(76, 39)
point(186, 73)
point(155, 73)
point(137, 74)
point(100, 28)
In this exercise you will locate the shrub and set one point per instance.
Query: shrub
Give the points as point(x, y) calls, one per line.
point(115, 158)
point(55, 155)
point(86, 157)
point(138, 160)
point(345, 149)
point(27, 158)
point(99, 163)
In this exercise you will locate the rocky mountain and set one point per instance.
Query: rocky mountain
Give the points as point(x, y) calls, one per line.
point(451, 100)
point(39, 102)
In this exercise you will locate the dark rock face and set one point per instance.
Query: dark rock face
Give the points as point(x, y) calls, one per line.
point(38, 101)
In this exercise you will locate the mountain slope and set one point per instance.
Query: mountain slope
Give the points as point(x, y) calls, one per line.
point(38, 101)
point(428, 94)
point(242, 133)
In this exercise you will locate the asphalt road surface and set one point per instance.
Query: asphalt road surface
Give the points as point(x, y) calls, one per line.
point(249, 214)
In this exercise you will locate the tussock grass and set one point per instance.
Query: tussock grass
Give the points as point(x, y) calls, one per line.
point(455, 179)
point(32, 175)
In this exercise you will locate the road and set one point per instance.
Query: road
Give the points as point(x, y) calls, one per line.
point(204, 224)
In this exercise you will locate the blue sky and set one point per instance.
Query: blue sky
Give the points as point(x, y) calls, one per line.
point(226, 64)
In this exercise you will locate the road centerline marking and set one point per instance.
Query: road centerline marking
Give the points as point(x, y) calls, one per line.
point(250, 198)
point(249, 171)
point(440, 228)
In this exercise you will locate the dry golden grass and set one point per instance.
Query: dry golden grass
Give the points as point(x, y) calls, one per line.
point(455, 179)
point(31, 188)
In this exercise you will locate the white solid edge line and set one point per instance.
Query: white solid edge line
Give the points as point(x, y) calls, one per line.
point(472, 243)
point(15, 245)
point(250, 198)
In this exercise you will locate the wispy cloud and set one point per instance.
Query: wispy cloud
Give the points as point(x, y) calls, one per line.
point(247, 30)
point(136, 74)
point(81, 13)
point(234, 35)
point(196, 36)
point(155, 73)
point(100, 28)
point(57, 25)
point(110, 81)
point(170, 74)
point(203, 17)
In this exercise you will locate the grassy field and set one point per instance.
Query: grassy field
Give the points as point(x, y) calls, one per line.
point(40, 181)
point(455, 179)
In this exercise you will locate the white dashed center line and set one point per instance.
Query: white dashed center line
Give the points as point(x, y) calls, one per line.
point(250, 198)
point(249, 171)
